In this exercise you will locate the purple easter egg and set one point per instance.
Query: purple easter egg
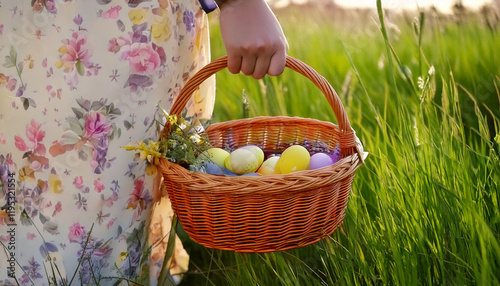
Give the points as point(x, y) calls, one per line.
point(320, 160)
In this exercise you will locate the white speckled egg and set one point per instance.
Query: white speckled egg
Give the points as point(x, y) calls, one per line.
point(242, 161)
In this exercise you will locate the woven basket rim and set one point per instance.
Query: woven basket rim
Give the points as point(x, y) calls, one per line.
point(269, 184)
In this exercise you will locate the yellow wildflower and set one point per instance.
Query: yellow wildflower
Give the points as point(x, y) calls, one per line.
point(172, 119)
point(145, 150)
point(196, 138)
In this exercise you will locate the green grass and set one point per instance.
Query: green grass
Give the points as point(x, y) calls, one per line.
point(424, 209)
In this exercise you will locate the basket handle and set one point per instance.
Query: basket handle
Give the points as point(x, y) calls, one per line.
point(347, 141)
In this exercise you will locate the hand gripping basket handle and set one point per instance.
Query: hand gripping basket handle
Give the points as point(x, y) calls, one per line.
point(348, 139)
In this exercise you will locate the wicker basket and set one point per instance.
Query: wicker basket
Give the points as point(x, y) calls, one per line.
point(266, 213)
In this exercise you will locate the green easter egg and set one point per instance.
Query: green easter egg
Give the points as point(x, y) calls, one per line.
point(216, 155)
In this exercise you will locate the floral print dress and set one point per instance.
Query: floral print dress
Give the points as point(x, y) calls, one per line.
point(78, 80)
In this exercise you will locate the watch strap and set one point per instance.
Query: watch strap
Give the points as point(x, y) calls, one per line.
point(208, 5)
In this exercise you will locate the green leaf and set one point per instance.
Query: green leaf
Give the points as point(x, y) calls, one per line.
point(127, 124)
point(165, 268)
point(96, 105)
point(31, 102)
point(20, 67)
point(78, 112)
point(75, 125)
point(8, 62)
point(26, 103)
point(13, 55)
point(80, 68)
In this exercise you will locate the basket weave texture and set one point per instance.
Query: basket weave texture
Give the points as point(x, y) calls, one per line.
point(266, 213)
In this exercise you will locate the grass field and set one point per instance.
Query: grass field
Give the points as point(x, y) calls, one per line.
point(422, 92)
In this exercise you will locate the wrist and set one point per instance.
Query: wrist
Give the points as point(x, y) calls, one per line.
point(221, 3)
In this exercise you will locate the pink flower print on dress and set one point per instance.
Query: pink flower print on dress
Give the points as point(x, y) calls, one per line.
point(142, 57)
point(98, 185)
point(10, 83)
point(76, 233)
point(57, 208)
point(75, 57)
point(112, 13)
point(96, 125)
point(78, 182)
point(116, 44)
point(110, 223)
point(34, 135)
point(140, 198)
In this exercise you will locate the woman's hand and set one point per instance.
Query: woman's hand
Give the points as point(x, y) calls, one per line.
point(254, 41)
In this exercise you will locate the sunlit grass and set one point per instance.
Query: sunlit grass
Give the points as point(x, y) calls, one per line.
point(424, 209)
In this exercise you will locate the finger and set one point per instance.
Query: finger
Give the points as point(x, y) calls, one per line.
point(248, 64)
point(261, 66)
point(277, 65)
point(234, 63)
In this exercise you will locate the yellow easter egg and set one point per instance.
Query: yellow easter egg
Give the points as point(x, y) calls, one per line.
point(264, 171)
point(294, 158)
point(271, 162)
point(216, 155)
point(241, 161)
point(227, 163)
point(259, 154)
point(277, 167)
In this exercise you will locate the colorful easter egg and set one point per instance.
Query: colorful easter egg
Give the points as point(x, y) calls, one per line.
point(264, 171)
point(251, 175)
point(228, 173)
point(216, 155)
point(277, 169)
point(320, 160)
point(267, 167)
point(212, 168)
point(259, 154)
point(294, 158)
point(271, 162)
point(241, 161)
